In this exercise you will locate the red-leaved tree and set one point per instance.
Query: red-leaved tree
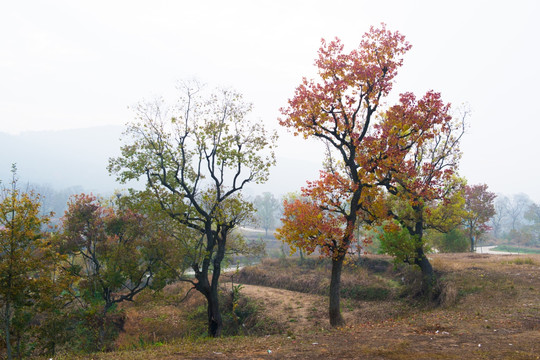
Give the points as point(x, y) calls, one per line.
point(115, 253)
point(338, 108)
point(414, 154)
point(479, 204)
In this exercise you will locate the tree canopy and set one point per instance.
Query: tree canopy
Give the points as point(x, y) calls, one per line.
point(339, 107)
point(380, 161)
point(27, 262)
point(196, 159)
point(480, 208)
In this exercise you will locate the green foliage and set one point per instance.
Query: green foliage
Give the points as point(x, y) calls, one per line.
point(78, 329)
point(31, 281)
point(114, 254)
point(366, 293)
point(454, 241)
point(87, 324)
point(397, 241)
point(175, 245)
point(243, 316)
point(196, 160)
point(55, 331)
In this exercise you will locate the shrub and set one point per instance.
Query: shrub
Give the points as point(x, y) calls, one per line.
point(453, 241)
point(448, 293)
point(242, 316)
point(523, 261)
point(365, 293)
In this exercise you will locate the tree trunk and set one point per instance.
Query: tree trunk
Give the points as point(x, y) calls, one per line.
point(335, 281)
point(19, 336)
point(472, 243)
point(215, 322)
point(101, 333)
point(428, 276)
point(209, 291)
point(7, 323)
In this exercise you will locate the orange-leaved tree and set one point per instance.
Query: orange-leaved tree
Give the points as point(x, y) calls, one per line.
point(339, 108)
point(317, 220)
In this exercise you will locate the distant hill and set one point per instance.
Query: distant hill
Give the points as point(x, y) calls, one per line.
point(79, 158)
point(62, 159)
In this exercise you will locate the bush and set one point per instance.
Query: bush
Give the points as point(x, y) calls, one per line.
point(453, 241)
point(85, 326)
point(448, 293)
point(242, 316)
point(365, 293)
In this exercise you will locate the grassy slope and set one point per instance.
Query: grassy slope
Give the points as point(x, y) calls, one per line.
point(492, 311)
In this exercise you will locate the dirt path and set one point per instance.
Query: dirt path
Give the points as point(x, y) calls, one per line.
point(299, 311)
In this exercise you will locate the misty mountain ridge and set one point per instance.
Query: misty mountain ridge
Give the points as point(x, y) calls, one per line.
point(62, 159)
point(78, 158)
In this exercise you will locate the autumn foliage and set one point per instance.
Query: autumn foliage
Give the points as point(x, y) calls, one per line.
point(114, 254)
point(393, 168)
point(32, 282)
point(414, 154)
point(314, 220)
point(479, 209)
point(339, 108)
point(394, 163)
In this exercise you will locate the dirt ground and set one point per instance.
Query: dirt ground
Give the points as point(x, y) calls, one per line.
point(470, 330)
point(496, 315)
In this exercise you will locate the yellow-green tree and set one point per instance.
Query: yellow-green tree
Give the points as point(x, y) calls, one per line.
point(27, 262)
point(196, 160)
point(400, 236)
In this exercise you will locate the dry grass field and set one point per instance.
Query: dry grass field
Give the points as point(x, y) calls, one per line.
point(489, 308)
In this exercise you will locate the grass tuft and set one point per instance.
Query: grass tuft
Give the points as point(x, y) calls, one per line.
point(522, 261)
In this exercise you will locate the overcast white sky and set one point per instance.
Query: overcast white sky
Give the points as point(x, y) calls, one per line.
point(72, 64)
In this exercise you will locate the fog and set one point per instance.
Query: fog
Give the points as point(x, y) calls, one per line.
point(72, 65)
point(79, 157)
